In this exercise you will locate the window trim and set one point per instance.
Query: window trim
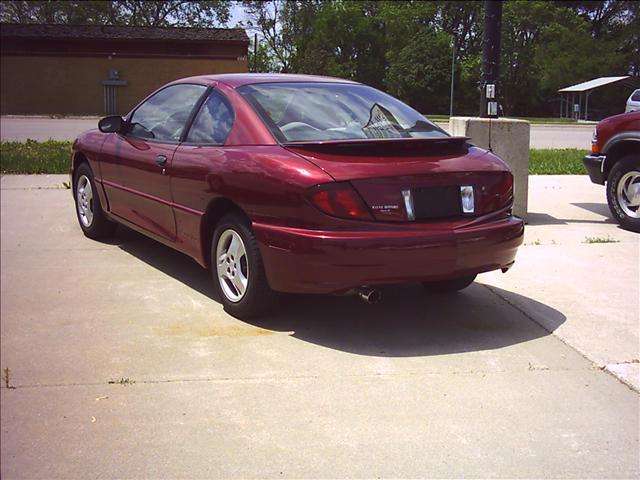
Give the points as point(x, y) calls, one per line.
point(129, 117)
point(192, 120)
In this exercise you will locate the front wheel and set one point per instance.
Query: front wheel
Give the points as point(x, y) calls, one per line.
point(92, 219)
point(452, 285)
point(237, 269)
point(623, 192)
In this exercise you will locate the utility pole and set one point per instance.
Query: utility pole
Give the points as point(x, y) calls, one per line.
point(489, 81)
point(453, 67)
point(255, 53)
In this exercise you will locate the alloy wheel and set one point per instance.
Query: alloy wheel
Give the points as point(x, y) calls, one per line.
point(232, 266)
point(628, 193)
point(84, 201)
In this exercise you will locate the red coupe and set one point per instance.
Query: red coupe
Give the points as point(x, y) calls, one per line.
point(293, 183)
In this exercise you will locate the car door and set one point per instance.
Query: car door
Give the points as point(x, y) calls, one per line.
point(144, 157)
point(200, 166)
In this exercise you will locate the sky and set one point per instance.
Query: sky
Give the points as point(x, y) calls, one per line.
point(237, 14)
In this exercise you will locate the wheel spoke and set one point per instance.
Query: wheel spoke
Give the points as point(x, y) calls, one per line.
point(632, 192)
point(221, 269)
point(89, 215)
point(88, 192)
point(239, 282)
point(234, 246)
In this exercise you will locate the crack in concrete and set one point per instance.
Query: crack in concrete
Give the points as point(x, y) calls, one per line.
point(289, 378)
point(596, 366)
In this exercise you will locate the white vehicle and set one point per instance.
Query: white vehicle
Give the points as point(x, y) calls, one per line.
point(633, 103)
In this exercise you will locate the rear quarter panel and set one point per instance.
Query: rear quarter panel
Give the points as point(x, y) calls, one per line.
point(265, 181)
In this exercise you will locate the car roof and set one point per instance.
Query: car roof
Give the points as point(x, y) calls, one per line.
point(235, 80)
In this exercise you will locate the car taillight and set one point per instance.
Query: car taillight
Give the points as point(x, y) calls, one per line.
point(498, 194)
point(507, 188)
point(339, 199)
point(595, 148)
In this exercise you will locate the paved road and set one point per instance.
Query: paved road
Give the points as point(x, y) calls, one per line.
point(20, 128)
point(502, 380)
point(43, 128)
point(561, 136)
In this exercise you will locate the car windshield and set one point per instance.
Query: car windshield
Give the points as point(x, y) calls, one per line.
point(299, 112)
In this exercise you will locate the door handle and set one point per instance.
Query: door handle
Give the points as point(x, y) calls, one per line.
point(161, 160)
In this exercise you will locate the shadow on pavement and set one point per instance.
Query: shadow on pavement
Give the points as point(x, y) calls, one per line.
point(535, 218)
point(597, 208)
point(409, 321)
point(412, 322)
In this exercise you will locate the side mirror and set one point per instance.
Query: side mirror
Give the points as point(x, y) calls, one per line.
point(111, 124)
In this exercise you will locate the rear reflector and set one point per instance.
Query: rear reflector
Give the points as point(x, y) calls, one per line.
point(339, 199)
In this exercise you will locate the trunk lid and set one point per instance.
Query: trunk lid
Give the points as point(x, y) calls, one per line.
point(432, 169)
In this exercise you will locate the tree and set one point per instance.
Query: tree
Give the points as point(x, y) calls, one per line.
point(260, 59)
point(266, 18)
point(405, 46)
point(118, 12)
point(419, 73)
point(346, 40)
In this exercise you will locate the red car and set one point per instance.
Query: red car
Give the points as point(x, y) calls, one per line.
point(615, 159)
point(292, 183)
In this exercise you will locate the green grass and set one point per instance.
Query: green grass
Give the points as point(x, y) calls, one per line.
point(546, 120)
point(438, 118)
point(54, 157)
point(51, 156)
point(557, 161)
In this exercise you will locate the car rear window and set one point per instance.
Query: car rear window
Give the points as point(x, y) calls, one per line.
point(298, 112)
point(635, 97)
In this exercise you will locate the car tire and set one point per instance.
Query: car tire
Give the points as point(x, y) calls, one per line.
point(624, 176)
point(91, 217)
point(238, 271)
point(452, 285)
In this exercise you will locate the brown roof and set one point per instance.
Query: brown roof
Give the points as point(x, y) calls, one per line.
point(110, 32)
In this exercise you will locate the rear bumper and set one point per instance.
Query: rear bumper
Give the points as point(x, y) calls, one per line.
point(313, 261)
point(593, 164)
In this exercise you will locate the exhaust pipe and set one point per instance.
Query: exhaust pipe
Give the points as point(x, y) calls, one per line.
point(506, 268)
point(369, 295)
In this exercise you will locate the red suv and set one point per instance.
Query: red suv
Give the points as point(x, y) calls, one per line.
point(615, 159)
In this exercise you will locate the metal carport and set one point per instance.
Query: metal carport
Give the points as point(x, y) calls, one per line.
point(566, 106)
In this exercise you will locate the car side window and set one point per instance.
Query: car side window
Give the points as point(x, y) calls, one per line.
point(163, 116)
point(636, 96)
point(213, 122)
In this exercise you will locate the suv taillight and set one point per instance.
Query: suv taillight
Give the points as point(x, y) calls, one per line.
point(340, 200)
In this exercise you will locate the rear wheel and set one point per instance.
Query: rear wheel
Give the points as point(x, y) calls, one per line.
point(623, 192)
point(452, 285)
point(237, 269)
point(92, 219)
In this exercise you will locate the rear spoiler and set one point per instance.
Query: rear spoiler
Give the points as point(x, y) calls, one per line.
point(354, 146)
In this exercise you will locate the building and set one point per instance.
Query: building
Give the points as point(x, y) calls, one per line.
point(98, 70)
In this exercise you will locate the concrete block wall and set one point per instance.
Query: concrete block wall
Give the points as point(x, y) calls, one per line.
point(509, 140)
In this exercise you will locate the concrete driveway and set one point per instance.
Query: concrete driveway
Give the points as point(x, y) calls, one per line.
point(43, 128)
point(124, 364)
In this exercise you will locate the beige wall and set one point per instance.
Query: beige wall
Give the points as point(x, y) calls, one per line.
point(72, 85)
